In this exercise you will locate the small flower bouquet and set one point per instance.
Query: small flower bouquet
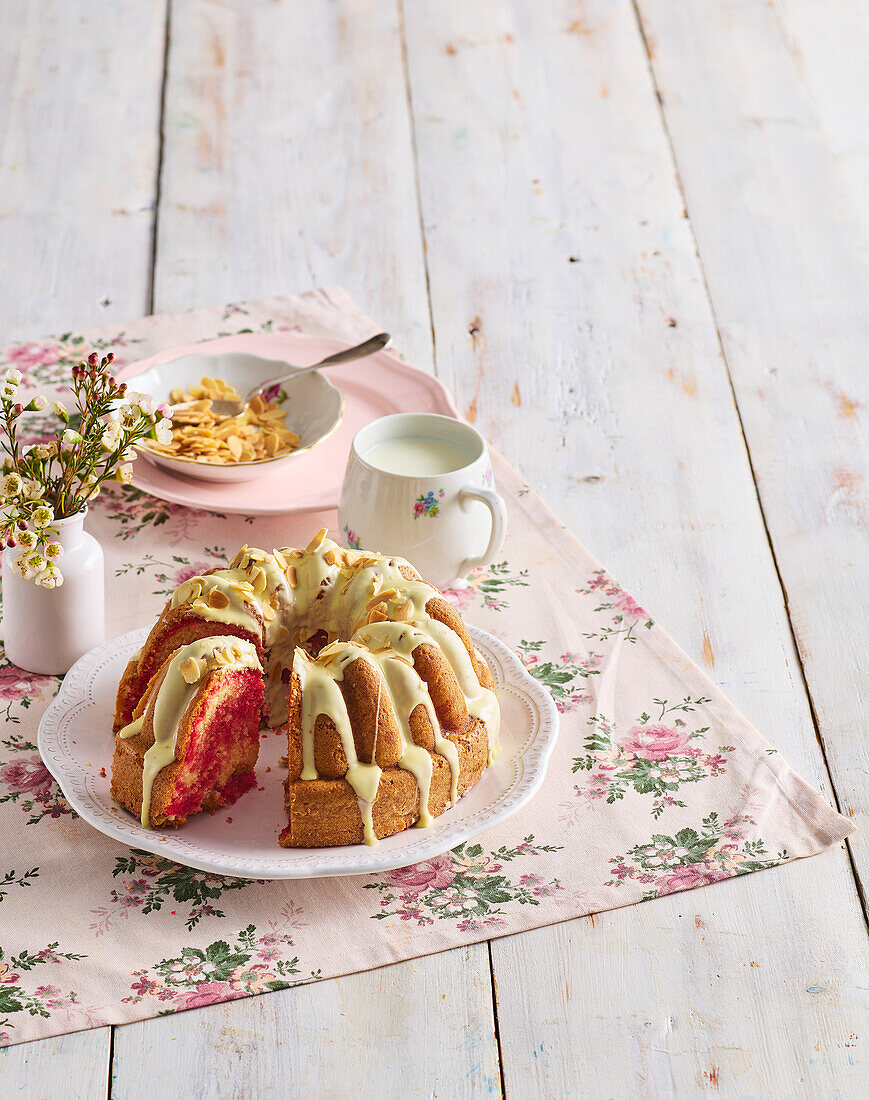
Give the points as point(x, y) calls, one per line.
point(55, 478)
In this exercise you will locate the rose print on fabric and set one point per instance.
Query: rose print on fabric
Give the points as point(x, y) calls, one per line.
point(428, 504)
point(26, 781)
point(252, 963)
point(465, 885)
point(626, 614)
point(667, 864)
point(146, 882)
point(561, 676)
point(174, 572)
point(135, 511)
point(490, 585)
point(44, 1000)
point(652, 757)
point(20, 688)
point(47, 361)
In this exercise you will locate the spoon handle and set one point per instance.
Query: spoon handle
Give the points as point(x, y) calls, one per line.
point(367, 347)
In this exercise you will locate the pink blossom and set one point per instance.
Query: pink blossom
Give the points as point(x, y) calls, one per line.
point(143, 986)
point(654, 742)
point(206, 993)
point(188, 571)
point(17, 684)
point(33, 354)
point(462, 598)
point(629, 606)
point(689, 876)
point(27, 775)
point(428, 875)
point(419, 507)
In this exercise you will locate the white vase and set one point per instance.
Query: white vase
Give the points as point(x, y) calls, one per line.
point(46, 630)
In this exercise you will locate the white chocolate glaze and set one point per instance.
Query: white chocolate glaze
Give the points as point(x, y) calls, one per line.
point(369, 607)
point(173, 693)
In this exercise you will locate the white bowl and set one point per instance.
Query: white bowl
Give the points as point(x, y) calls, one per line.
point(314, 405)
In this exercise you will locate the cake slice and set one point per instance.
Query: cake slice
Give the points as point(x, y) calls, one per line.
point(194, 738)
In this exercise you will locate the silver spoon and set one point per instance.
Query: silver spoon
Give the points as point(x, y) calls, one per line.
point(236, 408)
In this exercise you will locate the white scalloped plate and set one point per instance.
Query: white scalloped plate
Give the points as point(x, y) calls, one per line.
point(75, 741)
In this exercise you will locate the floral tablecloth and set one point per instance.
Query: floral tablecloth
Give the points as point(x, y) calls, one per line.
point(657, 783)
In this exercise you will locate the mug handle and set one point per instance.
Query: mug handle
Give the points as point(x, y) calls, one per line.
point(498, 509)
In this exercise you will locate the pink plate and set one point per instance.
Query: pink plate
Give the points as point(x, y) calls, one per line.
point(372, 387)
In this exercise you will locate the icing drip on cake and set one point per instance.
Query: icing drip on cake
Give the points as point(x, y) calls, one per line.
point(174, 694)
point(368, 609)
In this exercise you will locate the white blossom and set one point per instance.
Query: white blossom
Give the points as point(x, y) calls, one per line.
point(164, 431)
point(49, 578)
point(60, 411)
point(124, 474)
point(53, 550)
point(71, 437)
point(13, 376)
point(11, 485)
point(42, 516)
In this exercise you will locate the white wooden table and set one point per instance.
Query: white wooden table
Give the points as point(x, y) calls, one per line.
point(632, 238)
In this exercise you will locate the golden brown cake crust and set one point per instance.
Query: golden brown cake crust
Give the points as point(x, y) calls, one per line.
point(325, 812)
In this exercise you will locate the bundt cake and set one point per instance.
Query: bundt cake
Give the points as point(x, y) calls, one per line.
point(390, 711)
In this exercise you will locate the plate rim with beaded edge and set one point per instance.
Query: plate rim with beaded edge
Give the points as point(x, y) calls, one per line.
point(85, 705)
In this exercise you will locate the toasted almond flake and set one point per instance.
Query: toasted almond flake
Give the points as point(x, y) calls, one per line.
point(258, 580)
point(217, 599)
point(279, 558)
point(268, 612)
point(190, 670)
point(317, 541)
point(379, 597)
point(329, 557)
point(377, 616)
point(291, 576)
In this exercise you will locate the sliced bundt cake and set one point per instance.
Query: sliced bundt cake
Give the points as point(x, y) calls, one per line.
point(391, 713)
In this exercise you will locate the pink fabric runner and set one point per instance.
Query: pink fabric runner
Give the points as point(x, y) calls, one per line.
point(657, 783)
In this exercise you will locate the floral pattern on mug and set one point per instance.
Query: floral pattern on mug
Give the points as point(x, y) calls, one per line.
point(627, 615)
point(667, 864)
point(44, 1000)
point(654, 758)
point(351, 538)
point(487, 478)
point(26, 781)
point(465, 885)
point(147, 881)
point(489, 584)
point(561, 676)
point(428, 504)
point(253, 963)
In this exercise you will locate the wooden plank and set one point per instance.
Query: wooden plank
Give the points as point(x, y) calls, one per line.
point(289, 161)
point(68, 1067)
point(782, 230)
point(80, 138)
point(79, 130)
point(413, 1029)
point(572, 322)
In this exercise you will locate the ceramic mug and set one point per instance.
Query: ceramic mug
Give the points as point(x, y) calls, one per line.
point(419, 486)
